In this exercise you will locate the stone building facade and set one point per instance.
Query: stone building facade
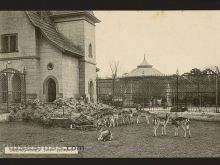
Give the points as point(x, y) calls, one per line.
point(55, 50)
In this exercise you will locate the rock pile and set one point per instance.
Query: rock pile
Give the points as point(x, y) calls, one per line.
point(76, 111)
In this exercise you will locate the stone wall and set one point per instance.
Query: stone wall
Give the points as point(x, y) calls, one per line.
point(26, 57)
point(35, 52)
point(70, 76)
point(18, 22)
point(82, 33)
point(50, 54)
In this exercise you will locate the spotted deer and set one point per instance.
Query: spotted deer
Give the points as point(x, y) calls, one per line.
point(181, 122)
point(127, 116)
point(142, 113)
point(160, 121)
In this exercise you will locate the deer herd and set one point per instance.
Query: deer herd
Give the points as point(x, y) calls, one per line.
point(134, 116)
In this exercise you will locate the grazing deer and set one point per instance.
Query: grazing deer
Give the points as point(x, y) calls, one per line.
point(142, 113)
point(127, 115)
point(184, 123)
point(131, 115)
point(160, 121)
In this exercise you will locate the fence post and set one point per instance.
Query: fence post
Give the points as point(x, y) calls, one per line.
point(97, 90)
point(216, 92)
point(177, 88)
point(7, 93)
point(24, 86)
point(199, 94)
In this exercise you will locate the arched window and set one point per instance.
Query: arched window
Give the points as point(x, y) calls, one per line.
point(90, 50)
point(16, 88)
point(50, 88)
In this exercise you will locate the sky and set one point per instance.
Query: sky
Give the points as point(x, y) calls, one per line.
point(170, 40)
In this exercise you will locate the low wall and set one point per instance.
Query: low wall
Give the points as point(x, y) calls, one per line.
point(204, 116)
point(4, 117)
point(190, 109)
point(199, 114)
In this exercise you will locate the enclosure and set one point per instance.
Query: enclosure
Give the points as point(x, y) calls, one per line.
point(197, 92)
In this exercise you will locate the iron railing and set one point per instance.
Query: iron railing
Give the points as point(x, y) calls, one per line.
point(12, 88)
point(197, 92)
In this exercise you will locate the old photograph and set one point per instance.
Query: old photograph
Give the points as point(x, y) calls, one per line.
point(110, 84)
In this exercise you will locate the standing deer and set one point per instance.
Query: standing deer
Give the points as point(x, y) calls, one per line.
point(127, 116)
point(160, 121)
point(184, 123)
point(145, 114)
point(140, 112)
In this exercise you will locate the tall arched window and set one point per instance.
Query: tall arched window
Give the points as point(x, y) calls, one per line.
point(50, 88)
point(90, 50)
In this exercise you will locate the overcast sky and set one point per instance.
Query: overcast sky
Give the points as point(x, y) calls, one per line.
point(170, 40)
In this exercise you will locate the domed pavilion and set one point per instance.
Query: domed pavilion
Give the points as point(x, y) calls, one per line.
point(143, 70)
point(144, 84)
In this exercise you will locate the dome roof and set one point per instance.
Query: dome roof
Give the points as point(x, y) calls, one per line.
point(144, 69)
point(144, 64)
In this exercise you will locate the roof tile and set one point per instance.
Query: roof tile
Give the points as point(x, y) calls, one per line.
point(49, 31)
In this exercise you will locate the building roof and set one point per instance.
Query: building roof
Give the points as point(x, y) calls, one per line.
point(49, 31)
point(88, 13)
point(55, 12)
point(144, 64)
point(143, 70)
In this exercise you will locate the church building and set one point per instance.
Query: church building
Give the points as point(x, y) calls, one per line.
point(55, 50)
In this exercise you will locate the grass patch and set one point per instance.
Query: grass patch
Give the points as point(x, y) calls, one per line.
point(128, 141)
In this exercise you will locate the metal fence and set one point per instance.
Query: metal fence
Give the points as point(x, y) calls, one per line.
point(12, 88)
point(196, 92)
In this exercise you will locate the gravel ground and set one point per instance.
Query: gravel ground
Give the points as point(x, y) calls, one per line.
point(128, 141)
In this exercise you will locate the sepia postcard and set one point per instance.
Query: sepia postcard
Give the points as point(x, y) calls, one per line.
point(109, 84)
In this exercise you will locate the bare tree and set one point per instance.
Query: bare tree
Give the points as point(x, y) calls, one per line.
point(114, 70)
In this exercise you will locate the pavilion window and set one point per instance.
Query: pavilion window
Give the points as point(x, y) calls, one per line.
point(9, 43)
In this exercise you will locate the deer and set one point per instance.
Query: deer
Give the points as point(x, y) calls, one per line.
point(105, 134)
point(111, 120)
point(115, 120)
point(127, 115)
point(104, 118)
point(184, 123)
point(145, 114)
point(160, 121)
point(140, 112)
